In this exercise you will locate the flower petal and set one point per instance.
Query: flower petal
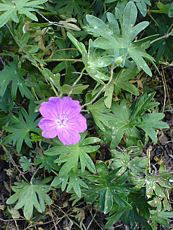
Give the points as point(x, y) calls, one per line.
point(48, 110)
point(54, 99)
point(77, 123)
point(48, 127)
point(71, 105)
point(68, 137)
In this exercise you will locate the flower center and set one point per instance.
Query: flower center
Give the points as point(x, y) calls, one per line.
point(62, 121)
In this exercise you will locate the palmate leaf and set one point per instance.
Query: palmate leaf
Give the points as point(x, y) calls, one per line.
point(119, 40)
point(107, 187)
point(129, 120)
point(11, 9)
point(160, 217)
point(70, 183)
point(70, 156)
point(11, 74)
point(69, 9)
point(29, 196)
point(141, 5)
point(25, 163)
point(102, 116)
point(20, 128)
point(150, 123)
point(122, 81)
point(136, 216)
point(143, 104)
point(120, 123)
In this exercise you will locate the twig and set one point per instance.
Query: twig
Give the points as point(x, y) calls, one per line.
point(41, 224)
point(51, 214)
point(59, 24)
point(14, 163)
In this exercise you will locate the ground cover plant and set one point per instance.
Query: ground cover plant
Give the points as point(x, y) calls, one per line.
point(86, 118)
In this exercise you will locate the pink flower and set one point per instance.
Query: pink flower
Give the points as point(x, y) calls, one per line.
point(62, 118)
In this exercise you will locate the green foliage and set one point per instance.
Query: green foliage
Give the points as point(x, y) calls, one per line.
point(25, 163)
point(164, 9)
point(71, 183)
point(125, 121)
point(162, 49)
point(14, 76)
point(162, 218)
point(101, 54)
point(70, 156)
point(30, 196)
point(101, 114)
point(141, 5)
point(11, 9)
point(119, 41)
point(122, 81)
point(67, 10)
point(104, 186)
point(20, 128)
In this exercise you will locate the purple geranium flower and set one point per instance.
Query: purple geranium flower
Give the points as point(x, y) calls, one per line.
point(62, 118)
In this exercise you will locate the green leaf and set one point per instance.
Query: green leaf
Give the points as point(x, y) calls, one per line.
point(101, 114)
point(113, 219)
point(150, 123)
point(79, 45)
point(106, 200)
point(138, 28)
point(69, 10)
point(107, 188)
point(71, 156)
point(97, 27)
point(25, 163)
point(71, 183)
point(122, 81)
point(142, 6)
point(170, 12)
point(121, 121)
point(143, 104)
point(137, 55)
point(10, 10)
point(126, 120)
point(161, 217)
point(130, 15)
point(29, 196)
point(109, 94)
point(110, 1)
point(113, 23)
point(46, 162)
point(117, 38)
point(77, 89)
point(11, 74)
point(20, 128)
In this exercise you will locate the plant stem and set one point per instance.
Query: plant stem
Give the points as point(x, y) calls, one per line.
point(31, 181)
point(62, 59)
point(162, 37)
point(78, 79)
point(104, 87)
